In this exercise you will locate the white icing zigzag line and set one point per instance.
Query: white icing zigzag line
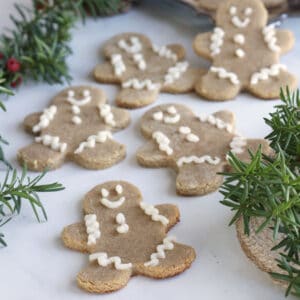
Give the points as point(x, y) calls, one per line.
point(103, 261)
point(222, 73)
point(92, 228)
point(139, 60)
point(112, 204)
point(217, 39)
point(175, 72)
point(269, 34)
point(45, 118)
point(220, 124)
point(118, 64)
point(164, 52)
point(135, 46)
point(106, 114)
point(160, 252)
point(198, 160)
point(137, 84)
point(152, 211)
point(237, 144)
point(123, 226)
point(265, 73)
point(52, 141)
point(91, 141)
point(163, 142)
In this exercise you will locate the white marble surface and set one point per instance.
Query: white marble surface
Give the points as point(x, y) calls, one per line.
point(36, 266)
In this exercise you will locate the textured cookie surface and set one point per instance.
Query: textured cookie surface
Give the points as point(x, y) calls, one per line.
point(144, 70)
point(194, 146)
point(125, 237)
point(245, 53)
point(77, 126)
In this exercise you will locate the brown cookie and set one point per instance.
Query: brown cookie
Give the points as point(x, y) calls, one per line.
point(244, 52)
point(195, 147)
point(76, 126)
point(125, 237)
point(144, 70)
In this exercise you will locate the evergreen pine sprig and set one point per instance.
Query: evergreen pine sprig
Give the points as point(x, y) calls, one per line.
point(14, 190)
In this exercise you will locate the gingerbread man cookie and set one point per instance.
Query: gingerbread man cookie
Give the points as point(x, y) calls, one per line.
point(144, 70)
point(195, 147)
point(77, 126)
point(125, 237)
point(244, 52)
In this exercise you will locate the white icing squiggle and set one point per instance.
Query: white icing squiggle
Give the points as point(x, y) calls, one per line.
point(269, 34)
point(92, 228)
point(217, 40)
point(106, 114)
point(137, 84)
point(103, 261)
point(123, 226)
point(138, 58)
point(91, 141)
point(224, 74)
point(52, 141)
point(135, 46)
point(189, 136)
point(118, 64)
point(163, 142)
point(220, 124)
point(152, 211)
point(237, 144)
point(164, 52)
point(198, 160)
point(160, 252)
point(46, 117)
point(175, 72)
point(265, 73)
point(112, 204)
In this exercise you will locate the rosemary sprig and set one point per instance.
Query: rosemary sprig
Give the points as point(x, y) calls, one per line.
point(14, 190)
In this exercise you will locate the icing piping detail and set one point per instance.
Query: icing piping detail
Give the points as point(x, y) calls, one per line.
point(239, 39)
point(164, 52)
point(174, 118)
point(160, 251)
point(224, 74)
point(123, 226)
point(220, 124)
point(52, 141)
point(46, 117)
point(103, 261)
point(137, 84)
point(112, 204)
point(119, 189)
point(135, 46)
point(217, 40)
point(92, 228)
point(118, 64)
point(91, 141)
point(152, 211)
point(138, 58)
point(163, 142)
point(106, 114)
point(175, 72)
point(265, 73)
point(189, 136)
point(270, 38)
point(198, 160)
point(79, 102)
point(237, 144)
point(239, 52)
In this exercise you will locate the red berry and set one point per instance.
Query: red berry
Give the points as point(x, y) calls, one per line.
point(17, 82)
point(1, 55)
point(13, 65)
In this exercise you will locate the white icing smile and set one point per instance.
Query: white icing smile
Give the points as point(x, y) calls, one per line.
point(112, 204)
point(172, 117)
point(79, 102)
point(236, 20)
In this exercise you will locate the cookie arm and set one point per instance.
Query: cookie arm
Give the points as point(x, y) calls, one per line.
point(201, 45)
point(30, 121)
point(105, 73)
point(121, 117)
point(176, 261)
point(171, 212)
point(75, 237)
point(178, 50)
point(285, 40)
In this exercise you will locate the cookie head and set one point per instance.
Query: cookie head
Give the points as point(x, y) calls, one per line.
point(241, 14)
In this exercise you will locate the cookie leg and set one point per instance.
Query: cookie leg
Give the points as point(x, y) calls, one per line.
point(132, 98)
point(176, 261)
point(270, 88)
point(102, 156)
point(198, 179)
point(97, 279)
point(211, 87)
point(38, 157)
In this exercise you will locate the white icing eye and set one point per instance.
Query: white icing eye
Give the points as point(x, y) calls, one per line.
point(71, 93)
point(248, 11)
point(232, 10)
point(86, 93)
point(172, 110)
point(104, 193)
point(119, 189)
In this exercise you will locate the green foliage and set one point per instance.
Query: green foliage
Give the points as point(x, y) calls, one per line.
point(14, 190)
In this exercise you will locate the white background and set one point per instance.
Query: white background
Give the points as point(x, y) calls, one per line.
point(35, 265)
